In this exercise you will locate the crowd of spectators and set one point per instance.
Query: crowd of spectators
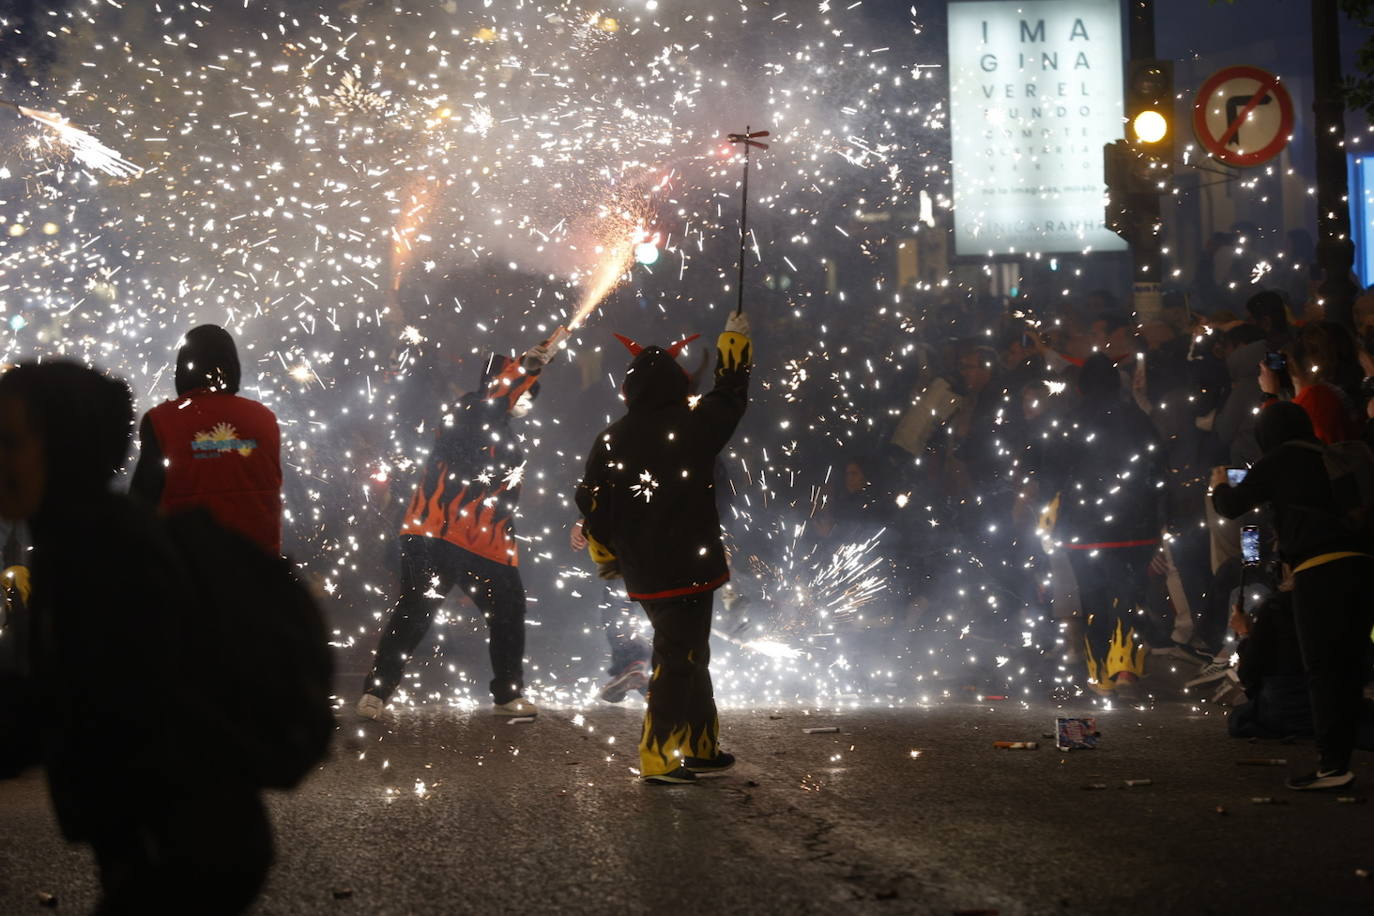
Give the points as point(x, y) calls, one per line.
point(1070, 458)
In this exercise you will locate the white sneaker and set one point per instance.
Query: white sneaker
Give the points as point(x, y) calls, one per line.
point(516, 707)
point(370, 707)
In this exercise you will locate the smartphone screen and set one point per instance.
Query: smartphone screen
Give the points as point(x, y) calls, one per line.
point(1235, 475)
point(1250, 545)
point(1276, 361)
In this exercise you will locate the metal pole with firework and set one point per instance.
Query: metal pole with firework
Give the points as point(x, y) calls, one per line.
point(749, 140)
point(83, 147)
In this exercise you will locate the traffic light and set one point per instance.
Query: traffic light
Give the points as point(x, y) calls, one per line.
point(1116, 174)
point(1136, 169)
point(1150, 118)
point(1132, 179)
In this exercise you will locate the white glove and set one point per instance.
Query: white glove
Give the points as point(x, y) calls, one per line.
point(737, 323)
point(537, 357)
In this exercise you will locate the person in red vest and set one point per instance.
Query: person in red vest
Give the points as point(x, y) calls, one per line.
point(459, 531)
point(210, 448)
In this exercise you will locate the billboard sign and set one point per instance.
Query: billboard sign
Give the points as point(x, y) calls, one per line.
point(1035, 93)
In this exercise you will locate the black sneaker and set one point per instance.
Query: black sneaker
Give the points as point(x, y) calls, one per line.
point(1322, 779)
point(676, 777)
point(713, 766)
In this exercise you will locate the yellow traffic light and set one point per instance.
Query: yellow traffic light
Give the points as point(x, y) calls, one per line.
point(1150, 127)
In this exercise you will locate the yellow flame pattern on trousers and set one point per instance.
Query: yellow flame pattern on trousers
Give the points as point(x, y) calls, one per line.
point(661, 753)
point(1124, 653)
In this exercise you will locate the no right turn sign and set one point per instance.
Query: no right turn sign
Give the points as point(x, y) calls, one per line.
point(1243, 116)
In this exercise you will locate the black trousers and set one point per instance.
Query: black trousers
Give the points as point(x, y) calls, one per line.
point(430, 569)
point(681, 719)
point(1111, 589)
point(207, 854)
point(1334, 613)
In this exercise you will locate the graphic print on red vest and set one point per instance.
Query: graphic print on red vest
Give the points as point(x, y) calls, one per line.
point(223, 453)
point(214, 442)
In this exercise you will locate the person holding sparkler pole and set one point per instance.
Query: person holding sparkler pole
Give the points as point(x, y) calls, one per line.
point(650, 517)
point(459, 530)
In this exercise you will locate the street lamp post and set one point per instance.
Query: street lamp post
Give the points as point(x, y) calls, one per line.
point(1335, 250)
point(1148, 268)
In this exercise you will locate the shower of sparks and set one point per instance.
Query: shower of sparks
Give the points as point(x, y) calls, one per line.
point(614, 260)
point(80, 145)
point(371, 197)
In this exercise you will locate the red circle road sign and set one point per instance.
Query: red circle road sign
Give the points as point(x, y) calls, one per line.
point(1243, 116)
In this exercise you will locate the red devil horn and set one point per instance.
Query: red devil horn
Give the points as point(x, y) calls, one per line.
point(634, 348)
point(675, 349)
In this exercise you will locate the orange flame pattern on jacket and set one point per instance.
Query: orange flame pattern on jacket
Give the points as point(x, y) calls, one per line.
point(478, 524)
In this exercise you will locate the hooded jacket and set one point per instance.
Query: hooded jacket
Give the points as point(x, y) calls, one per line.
point(1292, 478)
point(109, 599)
point(471, 485)
point(210, 448)
point(648, 490)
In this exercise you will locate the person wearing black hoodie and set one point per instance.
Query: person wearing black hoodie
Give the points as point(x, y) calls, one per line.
point(1107, 467)
point(208, 447)
point(175, 826)
point(1332, 559)
point(459, 529)
point(647, 497)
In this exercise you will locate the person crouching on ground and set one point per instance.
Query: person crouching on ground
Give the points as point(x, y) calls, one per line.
point(647, 498)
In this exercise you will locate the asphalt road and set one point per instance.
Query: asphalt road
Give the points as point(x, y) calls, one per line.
point(906, 810)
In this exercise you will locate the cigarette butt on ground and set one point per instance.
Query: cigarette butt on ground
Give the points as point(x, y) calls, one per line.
point(1016, 745)
point(520, 720)
point(821, 730)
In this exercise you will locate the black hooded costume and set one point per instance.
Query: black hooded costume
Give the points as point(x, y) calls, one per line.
point(648, 494)
point(1107, 467)
point(648, 497)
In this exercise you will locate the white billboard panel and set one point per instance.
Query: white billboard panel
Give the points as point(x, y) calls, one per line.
point(1035, 92)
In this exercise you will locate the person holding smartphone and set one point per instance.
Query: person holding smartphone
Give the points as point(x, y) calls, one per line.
point(1333, 420)
point(1331, 553)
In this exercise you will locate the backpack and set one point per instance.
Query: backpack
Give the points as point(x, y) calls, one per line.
point(258, 652)
point(1350, 468)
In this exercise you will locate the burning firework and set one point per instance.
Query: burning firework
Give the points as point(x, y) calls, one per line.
point(80, 145)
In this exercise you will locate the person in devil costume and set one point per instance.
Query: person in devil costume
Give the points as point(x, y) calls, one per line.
point(459, 530)
point(650, 517)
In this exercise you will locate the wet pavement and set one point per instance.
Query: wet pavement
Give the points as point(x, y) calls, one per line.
point(904, 810)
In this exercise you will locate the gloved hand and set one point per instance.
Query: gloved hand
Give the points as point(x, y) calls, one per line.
point(737, 323)
point(538, 356)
